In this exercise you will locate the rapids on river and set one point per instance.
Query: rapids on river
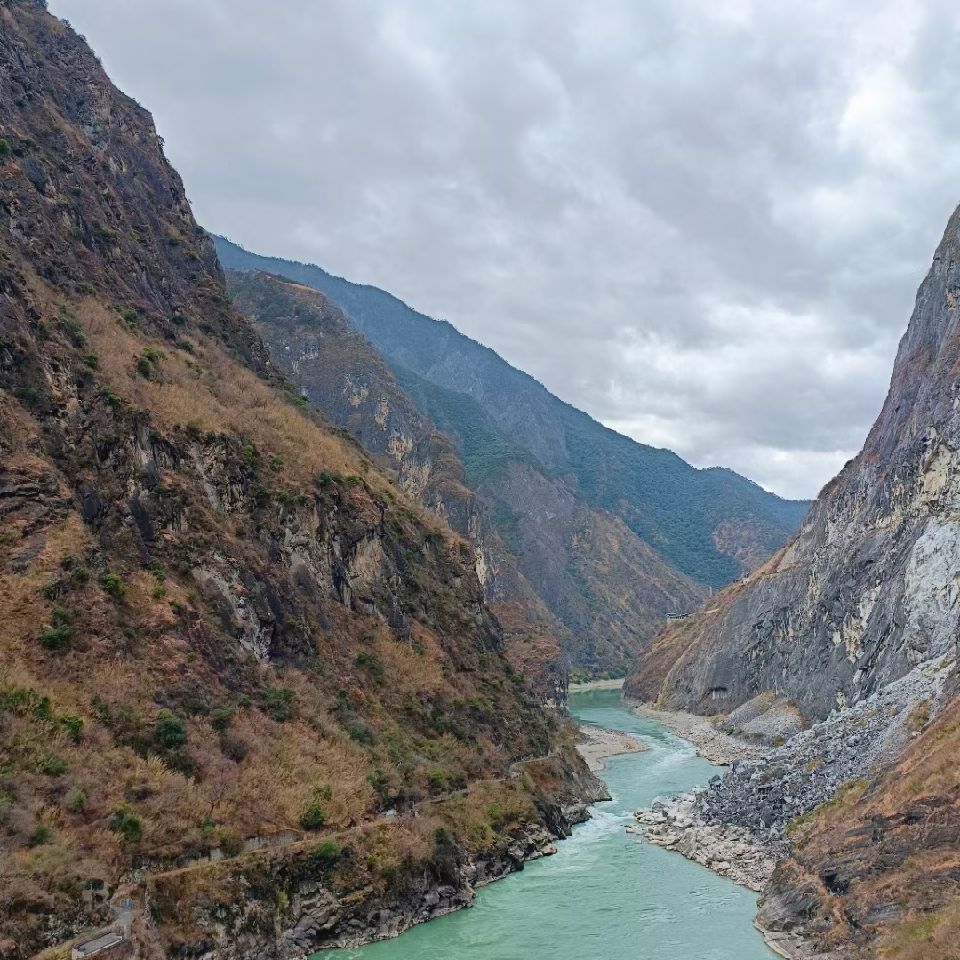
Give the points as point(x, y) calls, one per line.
point(602, 896)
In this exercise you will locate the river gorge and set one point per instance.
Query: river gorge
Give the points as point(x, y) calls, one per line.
point(603, 896)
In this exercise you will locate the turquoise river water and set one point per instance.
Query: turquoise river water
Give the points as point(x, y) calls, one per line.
point(601, 897)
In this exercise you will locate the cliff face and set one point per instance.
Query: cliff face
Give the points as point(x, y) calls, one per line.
point(576, 578)
point(869, 589)
point(224, 629)
point(340, 373)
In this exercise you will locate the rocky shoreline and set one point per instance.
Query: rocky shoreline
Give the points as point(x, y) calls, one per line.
point(712, 744)
point(739, 824)
point(598, 743)
point(730, 851)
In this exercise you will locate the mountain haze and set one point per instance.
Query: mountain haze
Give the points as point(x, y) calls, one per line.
point(538, 547)
point(340, 373)
point(712, 525)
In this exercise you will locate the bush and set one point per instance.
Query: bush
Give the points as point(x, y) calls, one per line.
point(113, 585)
point(221, 718)
point(40, 836)
point(73, 726)
point(234, 747)
point(5, 150)
point(371, 662)
point(78, 802)
point(281, 703)
point(56, 638)
point(314, 816)
point(127, 824)
point(170, 731)
point(53, 765)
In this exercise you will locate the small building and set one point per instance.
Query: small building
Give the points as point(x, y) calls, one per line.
point(678, 616)
point(99, 945)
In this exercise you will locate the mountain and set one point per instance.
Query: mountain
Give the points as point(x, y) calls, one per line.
point(340, 373)
point(575, 578)
point(235, 654)
point(711, 525)
point(855, 623)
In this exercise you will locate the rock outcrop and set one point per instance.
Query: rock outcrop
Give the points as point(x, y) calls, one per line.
point(340, 373)
point(868, 589)
point(855, 625)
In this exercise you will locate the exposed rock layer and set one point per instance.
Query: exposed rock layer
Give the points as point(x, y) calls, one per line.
point(868, 589)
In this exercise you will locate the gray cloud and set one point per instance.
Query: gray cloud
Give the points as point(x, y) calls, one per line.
point(702, 223)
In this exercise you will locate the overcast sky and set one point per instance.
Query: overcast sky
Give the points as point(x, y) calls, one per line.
point(704, 223)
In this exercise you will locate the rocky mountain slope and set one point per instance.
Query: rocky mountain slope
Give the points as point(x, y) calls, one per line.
point(234, 653)
point(854, 623)
point(868, 589)
point(598, 531)
point(340, 373)
point(712, 525)
point(574, 578)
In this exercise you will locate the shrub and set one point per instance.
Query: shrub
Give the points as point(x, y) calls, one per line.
point(314, 816)
point(327, 853)
point(281, 703)
point(127, 824)
point(380, 783)
point(371, 662)
point(56, 638)
point(73, 726)
point(360, 735)
point(234, 747)
point(53, 765)
point(40, 836)
point(5, 150)
point(78, 802)
point(113, 585)
point(221, 718)
point(170, 731)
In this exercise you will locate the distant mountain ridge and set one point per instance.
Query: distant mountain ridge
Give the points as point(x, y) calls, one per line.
point(559, 574)
point(712, 525)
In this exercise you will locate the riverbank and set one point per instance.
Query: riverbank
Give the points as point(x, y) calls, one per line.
point(712, 744)
point(598, 743)
point(596, 685)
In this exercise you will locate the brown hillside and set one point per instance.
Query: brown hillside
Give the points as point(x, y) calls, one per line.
point(222, 625)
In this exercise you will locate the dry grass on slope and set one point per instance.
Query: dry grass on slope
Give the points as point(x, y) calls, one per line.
point(206, 388)
point(887, 857)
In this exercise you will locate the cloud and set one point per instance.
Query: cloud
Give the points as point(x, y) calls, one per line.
point(703, 224)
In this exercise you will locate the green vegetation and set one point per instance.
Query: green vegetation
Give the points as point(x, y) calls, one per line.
point(112, 583)
point(281, 703)
point(170, 731)
point(127, 824)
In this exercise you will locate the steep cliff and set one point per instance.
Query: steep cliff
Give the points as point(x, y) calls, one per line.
point(574, 576)
point(234, 652)
point(340, 373)
point(869, 588)
point(855, 622)
point(712, 525)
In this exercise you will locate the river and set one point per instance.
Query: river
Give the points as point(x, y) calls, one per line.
point(602, 896)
